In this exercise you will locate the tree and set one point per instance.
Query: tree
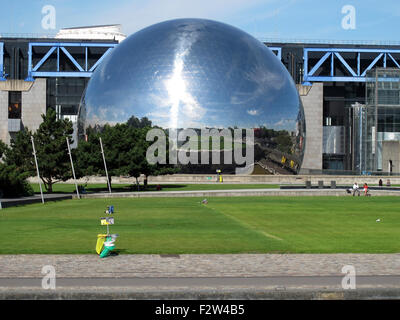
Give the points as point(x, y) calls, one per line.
point(20, 153)
point(157, 169)
point(284, 142)
point(136, 156)
point(13, 183)
point(17, 167)
point(88, 155)
point(3, 148)
point(52, 151)
point(119, 150)
point(117, 143)
point(138, 123)
point(125, 149)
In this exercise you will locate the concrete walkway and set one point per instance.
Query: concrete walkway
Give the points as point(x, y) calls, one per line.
point(295, 192)
point(199, 265)
point(12, 202)
point(239, 193)
point(238, 276)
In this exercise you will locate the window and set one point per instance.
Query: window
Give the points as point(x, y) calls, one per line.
point(14, 105)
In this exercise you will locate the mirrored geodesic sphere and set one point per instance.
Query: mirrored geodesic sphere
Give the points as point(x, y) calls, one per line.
point(195, 73)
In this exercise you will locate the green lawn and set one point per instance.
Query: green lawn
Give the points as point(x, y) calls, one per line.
point(224, 225)
point(65, 188)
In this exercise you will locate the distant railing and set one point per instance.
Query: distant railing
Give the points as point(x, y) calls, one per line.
point(267, 40)
point(29, 35)
point(348, 172)
point(326, 41)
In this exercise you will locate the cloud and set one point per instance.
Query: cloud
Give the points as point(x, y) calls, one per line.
point(253, 112)
point(285, 123)
point(265, 15)
point(140, 14)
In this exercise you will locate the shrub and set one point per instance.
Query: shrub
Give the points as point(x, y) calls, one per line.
point(13, 183)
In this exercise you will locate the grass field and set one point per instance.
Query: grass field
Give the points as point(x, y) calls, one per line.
point(224, 225)
point(65, 188)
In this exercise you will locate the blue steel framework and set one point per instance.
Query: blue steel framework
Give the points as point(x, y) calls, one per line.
point(2, 75)
point(82, 71)
point(356, 75)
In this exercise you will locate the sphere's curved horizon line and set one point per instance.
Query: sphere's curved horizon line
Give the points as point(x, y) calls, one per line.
point(194, 19)
point(111, 124)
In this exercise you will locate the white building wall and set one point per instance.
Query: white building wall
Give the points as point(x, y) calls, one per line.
point(34, 105)
point(4, 135)
point(111, 32)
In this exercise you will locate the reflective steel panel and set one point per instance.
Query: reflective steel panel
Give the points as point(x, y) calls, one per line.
point(195, 73)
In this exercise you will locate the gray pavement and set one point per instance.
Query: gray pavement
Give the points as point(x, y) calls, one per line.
point(271, 283)
point(12, 202)
point(198, 265)
point(197, 193)
point(231, 276)
point(295, 192)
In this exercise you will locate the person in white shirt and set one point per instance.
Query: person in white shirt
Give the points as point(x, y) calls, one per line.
point(356, 189)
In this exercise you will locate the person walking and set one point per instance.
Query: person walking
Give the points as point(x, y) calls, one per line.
point(366, 190)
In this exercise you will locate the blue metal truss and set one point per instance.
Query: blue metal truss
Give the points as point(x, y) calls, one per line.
point(355, 74)
point(277, 51)
point(2, 74)
point(58, 47)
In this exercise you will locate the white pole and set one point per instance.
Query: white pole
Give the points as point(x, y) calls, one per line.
point(105, 165)
point(73, 170)
point(37, 168)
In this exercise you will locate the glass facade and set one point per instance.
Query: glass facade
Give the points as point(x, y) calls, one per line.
point(64, 95)
point(195, 73)
point(378, 123)
point(14, 105)
point(338, 101)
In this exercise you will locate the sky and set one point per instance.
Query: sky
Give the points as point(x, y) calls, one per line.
point(264, 19)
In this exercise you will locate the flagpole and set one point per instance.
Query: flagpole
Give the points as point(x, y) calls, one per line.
point(73, 169)
point(37, 169)
point(105, 165)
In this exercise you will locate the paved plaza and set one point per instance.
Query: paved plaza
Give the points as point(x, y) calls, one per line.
point(199, 265)
point(239, 276)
